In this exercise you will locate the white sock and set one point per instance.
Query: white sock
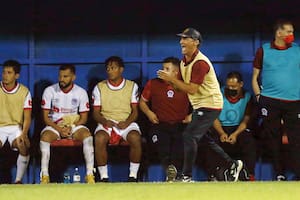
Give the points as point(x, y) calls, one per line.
point(103, 171)
point(45, 150)
point(22, 163)
point(133, 169)
point(88, 152)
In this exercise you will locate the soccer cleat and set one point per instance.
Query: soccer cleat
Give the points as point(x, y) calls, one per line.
point(132, 179)
point(171, 173)
point(281, 178)
point(235, 170)
point(45, 179)
point(90, 179)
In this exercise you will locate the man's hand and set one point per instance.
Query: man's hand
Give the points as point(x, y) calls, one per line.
point(122, 125)
point(65, 131)
point(164, 75)
point(232, 139)
point(109, 124)
point(152, 117)
point(23, 139)
point(187, 119)
point(224, 137)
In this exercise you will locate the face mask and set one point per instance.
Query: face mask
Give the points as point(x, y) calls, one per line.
point(289, 39)
point(231, 93)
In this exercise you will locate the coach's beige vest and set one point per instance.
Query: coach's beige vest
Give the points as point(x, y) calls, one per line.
point(12, 106)
point(209, 94)
point(116, 104)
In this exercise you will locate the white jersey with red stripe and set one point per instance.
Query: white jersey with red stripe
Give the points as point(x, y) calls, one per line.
point(62, 103)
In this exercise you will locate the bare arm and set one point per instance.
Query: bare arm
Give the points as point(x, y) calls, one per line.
point(99, 118)
point(83, 119)
point(27, 121)
point(148, 112)
point(131, 118)
point(255, 85)
point(218, 127)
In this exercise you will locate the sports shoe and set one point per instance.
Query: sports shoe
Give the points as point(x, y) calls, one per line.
point(104, 180)
point(281, 177)
point(45, 179)
point(90, 179)
point(186, 179)
point(171, 173)
point(132, 179)
point(18, 182)
point(235, 170)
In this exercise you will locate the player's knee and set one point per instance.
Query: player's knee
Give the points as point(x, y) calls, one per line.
point(134, 138)
point(101, 138)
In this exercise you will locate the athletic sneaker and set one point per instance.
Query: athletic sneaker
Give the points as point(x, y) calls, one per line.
point(171, 173)
point(18, 182)
point(90, 179)
point(281, 177)
point(104, 180)
point(186, 179)
point(236, 167)
point(132, 179)
point(45, 179)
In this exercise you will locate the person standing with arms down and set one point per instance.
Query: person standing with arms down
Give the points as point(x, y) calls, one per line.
point(115, 103)
point(199, 81)
point(277, 63)
point(65, 111)
point(15, 115)
point(167, 109)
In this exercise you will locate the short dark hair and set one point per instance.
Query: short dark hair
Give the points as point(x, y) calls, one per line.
point(175, 61)
point(235, 74)
point(71, 67)
point(280, 23)
point(116, 59)
point(14, 64)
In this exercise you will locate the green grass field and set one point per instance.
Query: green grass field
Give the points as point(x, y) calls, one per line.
point(144, 191)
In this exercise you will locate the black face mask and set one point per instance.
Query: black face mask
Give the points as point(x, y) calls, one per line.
point(231, 93)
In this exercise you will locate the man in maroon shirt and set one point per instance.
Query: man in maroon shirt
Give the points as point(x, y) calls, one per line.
point(167, 109)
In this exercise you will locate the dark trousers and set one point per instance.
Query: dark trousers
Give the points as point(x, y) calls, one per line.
point(202, 120)
point(166, 140)
point(272, 111)
point(244, 149)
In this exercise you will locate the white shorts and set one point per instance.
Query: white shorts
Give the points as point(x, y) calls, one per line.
point(121, 132)
point(9, 133)
point(49, 128)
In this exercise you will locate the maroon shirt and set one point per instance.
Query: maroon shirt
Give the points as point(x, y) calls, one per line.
point(170, 105)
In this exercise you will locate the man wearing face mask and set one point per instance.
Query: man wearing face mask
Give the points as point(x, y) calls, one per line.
point(231, 127)
point(278, 63)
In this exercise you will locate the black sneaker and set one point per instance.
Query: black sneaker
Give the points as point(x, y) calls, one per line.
point(104, 180)
point(132, 179)
point(235, 170)
point(281, 177)
point(171, 173)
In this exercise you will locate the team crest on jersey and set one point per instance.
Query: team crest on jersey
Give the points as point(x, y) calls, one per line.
point(170, 93)
point(264, 112)
point(154, 138)
point(74, 101)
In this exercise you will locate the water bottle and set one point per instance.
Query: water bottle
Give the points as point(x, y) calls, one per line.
point(67, 177)
point(76, 176)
